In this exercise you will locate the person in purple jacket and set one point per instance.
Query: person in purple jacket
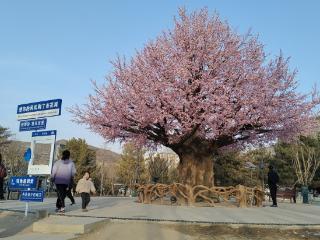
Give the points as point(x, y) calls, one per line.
point(62, 173)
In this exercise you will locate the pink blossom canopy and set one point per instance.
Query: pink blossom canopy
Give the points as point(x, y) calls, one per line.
point(199, 79)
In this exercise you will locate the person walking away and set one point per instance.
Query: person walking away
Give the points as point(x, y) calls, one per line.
point(273, 180)
point(62, 173)
point(84, 187)
point(3, 174)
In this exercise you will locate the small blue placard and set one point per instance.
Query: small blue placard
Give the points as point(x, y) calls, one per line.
point(31, 196)
point(44, 133)
point(22, 182)
point(31, 125)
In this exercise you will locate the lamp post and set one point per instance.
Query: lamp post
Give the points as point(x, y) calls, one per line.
point(261, 167)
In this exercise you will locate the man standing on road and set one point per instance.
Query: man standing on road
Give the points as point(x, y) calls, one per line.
point(273, 179)
point(3, 174)
point(62, 173)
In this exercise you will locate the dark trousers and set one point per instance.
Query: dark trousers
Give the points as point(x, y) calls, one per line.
point(61, 195)
point(85, 199)
point(273, 193)
point(1, 188)
point(69, 195)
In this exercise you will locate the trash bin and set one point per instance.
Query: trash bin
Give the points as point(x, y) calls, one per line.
point(133, 193)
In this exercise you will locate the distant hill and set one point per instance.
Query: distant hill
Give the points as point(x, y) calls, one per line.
point(107, 156)
point(102, 155)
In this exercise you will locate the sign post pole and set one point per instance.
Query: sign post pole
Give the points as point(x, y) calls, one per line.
point(27, 203)
point(26, 210)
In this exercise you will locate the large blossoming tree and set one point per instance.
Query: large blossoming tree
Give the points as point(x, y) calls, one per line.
point(196, 89)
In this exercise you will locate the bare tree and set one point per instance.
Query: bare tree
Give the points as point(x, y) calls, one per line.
point(13, 159)
point(158, 168)
point(4, 138)
point(131, 168)
point(107, 178)
point(306, 163)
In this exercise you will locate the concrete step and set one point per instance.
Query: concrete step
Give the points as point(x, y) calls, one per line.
point(64, 224)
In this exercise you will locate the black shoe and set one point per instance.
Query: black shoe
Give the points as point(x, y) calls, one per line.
point(274, 205)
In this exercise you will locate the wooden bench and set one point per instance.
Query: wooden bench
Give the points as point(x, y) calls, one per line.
point(287, 193)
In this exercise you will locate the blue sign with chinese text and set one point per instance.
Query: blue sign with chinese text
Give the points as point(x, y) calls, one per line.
point(44, 133)
point(31, 125)
point(49, 108)
point(23, 182)
point(31, 196)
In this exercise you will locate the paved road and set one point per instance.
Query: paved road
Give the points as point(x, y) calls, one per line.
point(49, 204)
point(127, 208)
point(12, 222)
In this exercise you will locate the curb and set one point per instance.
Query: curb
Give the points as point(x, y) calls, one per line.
point(236, 224)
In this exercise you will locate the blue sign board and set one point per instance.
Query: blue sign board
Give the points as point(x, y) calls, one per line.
point(31, 125)
point(23, 182)
point(47, 108)
point(31, 196)
point(44, 133)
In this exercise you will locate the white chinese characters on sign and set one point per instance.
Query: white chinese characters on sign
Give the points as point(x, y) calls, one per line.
point(24, 182)
point(41, 109)
point(47, 105)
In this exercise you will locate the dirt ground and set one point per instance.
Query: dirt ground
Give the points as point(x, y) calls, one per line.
point(159, 231)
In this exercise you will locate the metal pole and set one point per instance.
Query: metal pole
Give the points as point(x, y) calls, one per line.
point(26, 210)
point(262, 175)
point(102, 179)
point(27, 203)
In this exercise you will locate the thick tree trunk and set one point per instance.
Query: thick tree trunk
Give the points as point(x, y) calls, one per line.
point(196, 170)
point(196, 164)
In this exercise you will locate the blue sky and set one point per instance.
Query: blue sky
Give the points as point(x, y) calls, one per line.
point(52, 49)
